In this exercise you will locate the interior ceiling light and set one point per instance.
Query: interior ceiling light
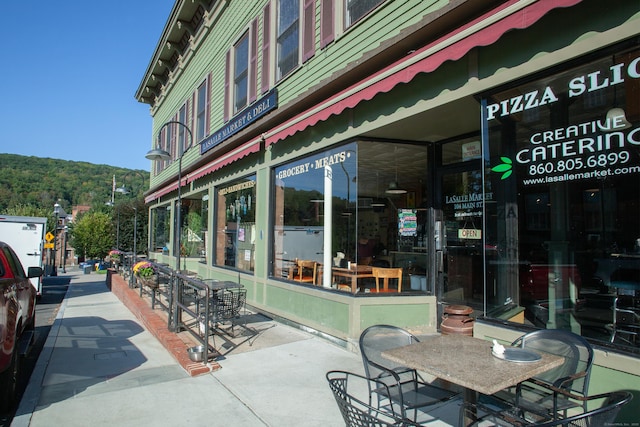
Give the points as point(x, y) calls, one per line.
point(377, 202)
point(394, 188)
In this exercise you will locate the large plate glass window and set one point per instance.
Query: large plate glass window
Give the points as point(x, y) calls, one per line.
point(236, 224)
point(564, 154)
point(195, 219)
point(160, 229)
point(352, 201)
point(299, 200)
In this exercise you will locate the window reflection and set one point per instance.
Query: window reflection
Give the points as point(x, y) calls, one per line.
point(236, 224)
point(160, 229)
point(574, 192)
point(195, 217)
point(364, 216)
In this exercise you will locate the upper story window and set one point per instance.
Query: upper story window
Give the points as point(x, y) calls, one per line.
point(201, 111)
point(287, 37)
point(241, 73)
point(356, 9)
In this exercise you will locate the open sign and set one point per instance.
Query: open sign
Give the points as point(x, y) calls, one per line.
point(469, 233)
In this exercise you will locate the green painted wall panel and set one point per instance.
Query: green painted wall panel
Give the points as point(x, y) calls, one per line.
point(409, 316)
point(315, 310)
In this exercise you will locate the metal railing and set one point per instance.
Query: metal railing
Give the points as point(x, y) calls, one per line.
point(192, 304)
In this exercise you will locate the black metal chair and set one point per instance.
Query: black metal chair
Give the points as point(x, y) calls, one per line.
point(626, 323)
point(541, 392)
point(226, 306)
point(604, 415)
point(403, 385)
point(555, 391)
point(351, 393)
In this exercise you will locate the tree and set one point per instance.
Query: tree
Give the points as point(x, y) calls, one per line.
point(92, 235)
point(124, 213)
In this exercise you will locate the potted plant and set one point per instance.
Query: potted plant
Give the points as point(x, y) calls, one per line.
point(145, 272)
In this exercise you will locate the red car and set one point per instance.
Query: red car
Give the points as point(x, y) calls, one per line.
point(17, 320)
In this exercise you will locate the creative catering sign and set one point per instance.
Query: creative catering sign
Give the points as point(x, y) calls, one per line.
point(595, 148)
point(241, 120)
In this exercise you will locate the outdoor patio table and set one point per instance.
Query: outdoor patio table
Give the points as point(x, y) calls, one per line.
point(468, 362)
point(216, 285)
point(355, 272)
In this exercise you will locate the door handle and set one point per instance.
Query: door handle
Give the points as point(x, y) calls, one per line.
point(440, 261)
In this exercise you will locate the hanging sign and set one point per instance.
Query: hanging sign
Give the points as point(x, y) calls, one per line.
point(469, 234)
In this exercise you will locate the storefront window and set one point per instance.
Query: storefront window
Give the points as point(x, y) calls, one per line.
point(301, 189)
point(377, 216)
point(236, 224)
point(564, 173)
point(160, 228)
point(195, 216)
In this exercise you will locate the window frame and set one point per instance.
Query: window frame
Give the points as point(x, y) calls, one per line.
point(240, 241)
point(241, 76)
point(277, 39)
point(202, 110)
point(348, 21)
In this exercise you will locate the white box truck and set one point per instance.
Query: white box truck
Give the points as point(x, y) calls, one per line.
point(26, 235)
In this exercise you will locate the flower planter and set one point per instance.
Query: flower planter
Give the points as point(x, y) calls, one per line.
point(150, 281)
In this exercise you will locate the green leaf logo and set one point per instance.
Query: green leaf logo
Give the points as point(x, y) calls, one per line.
point(506, 167)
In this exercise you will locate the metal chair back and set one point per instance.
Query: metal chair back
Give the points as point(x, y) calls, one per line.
point(602, 416)
point(574, 374)
point(378, 338)
point(351, 394)
point(226, 306)
point(626, 323)
point(403, 385)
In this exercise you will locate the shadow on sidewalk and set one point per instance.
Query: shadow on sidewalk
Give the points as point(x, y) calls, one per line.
point(88, 351)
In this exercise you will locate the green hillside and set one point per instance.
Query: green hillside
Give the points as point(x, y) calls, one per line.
point(41, 182)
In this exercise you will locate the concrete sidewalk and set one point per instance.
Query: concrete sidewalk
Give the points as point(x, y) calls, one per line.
point(102, 366)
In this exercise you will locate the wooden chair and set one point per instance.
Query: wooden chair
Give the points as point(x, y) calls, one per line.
point(386, 274)
point(304, 271)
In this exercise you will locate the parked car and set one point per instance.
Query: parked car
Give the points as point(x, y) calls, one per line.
point(17, 321)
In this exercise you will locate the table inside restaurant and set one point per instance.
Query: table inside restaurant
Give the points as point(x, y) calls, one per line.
point(354, 273)
point(468, 362)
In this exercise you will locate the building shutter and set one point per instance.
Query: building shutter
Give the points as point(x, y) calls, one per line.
point(327, 32)
point(266, 56)
point(227, 87)
point(253, 43)
point(208, 109)
point(309, 30)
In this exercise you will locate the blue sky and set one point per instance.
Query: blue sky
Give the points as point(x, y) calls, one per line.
point(68, 76)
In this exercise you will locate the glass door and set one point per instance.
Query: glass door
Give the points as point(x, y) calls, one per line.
point(458, 202)
point(463, 278)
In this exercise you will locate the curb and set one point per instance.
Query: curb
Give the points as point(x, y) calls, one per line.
point(157, 326)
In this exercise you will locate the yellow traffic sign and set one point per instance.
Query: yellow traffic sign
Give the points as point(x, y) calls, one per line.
point(48, 245)
point(49, 236)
